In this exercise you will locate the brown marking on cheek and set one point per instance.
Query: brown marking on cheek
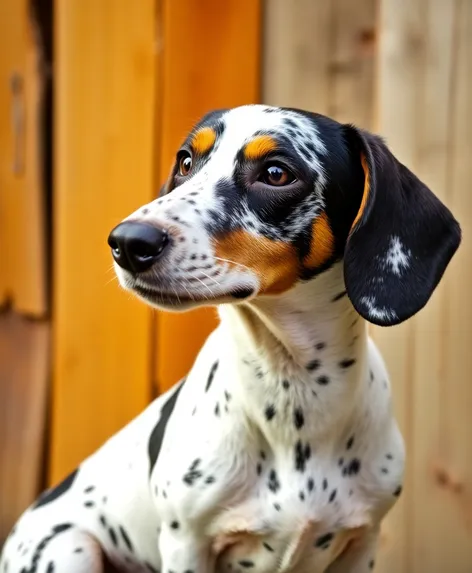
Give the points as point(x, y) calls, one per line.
point(203, 140)
point(259, 147)
point(322, 243)
point(274, 262)
point(365, 194)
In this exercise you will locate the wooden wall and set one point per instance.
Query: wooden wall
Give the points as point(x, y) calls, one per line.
point(404, 69)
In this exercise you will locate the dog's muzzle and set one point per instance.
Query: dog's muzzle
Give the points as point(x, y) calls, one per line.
point(135, 247)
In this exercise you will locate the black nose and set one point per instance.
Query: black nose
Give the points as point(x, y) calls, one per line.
point(137, 246)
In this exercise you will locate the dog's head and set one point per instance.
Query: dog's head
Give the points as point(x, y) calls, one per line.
point(260, 198)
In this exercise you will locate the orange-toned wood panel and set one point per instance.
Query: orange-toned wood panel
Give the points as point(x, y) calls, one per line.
point(210, 59)
point(24, 367)
point(22, 229)
point(104, 114)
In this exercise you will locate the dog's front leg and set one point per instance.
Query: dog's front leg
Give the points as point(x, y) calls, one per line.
point(359, 556)
point(183, 550)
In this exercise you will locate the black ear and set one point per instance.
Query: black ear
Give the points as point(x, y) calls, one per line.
point(402, 238)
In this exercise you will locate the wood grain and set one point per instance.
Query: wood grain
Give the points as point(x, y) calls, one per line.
point(24, 377)
point(22, 219)
point(104, 153)
point(319, 55)
point(210, 59)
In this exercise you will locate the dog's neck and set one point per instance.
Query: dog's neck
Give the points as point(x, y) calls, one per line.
point(310, 338)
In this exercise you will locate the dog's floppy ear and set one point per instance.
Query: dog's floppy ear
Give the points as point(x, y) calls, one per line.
point(401, 240)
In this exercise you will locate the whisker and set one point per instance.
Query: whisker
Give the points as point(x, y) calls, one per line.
point(232, 262)
point(200, 281)
point(211, 278)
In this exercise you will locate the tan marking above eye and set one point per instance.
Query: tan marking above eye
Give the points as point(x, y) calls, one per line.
point(259, 147)
point(204, 140)
point(321, 244)
point(275, 263)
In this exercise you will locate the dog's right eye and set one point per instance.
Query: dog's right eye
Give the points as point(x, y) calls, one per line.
point(277, 175)
point(185, 163)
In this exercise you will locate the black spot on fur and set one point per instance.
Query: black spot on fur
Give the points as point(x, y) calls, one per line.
point(56, 492)
point(113, 537)
point(259, 469)
point(332, 496)
point(310, 484)
point(398, 491)
point(217, 410)
point(209, 480)
point(269, 412)
point(389, 457)
point(103, 521)
point(347, 363)
point(301, 495)
point(302, 454)
point(322, 380)
point(78, 550)
point(246, 564)
point(56, 530)
point(157, 434)
point(193, 473)
point(89, 489)
point(384, 470)
point(352, 468)
point(268, 547)
point(298, 418)
point(211, 375)
point(286, 384)
point(350, 443)
point(324, 540)
point(320, 346)
point(313, 365)
point(371, 564)
point(175, 525)
point(325, 484)
point(277, 506)
point(126, 539)
point(51, 567)
point(274, 483)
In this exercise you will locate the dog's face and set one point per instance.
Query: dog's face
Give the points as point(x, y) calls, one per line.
point(260, 198)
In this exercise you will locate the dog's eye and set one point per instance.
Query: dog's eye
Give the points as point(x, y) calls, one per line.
point(276, 175)
point(185, 163)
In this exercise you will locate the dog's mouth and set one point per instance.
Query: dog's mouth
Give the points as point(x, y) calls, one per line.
point(158, 298)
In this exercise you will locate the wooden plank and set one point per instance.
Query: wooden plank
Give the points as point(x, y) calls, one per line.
point(104, 113)
point(319, 55)
point(425, 113)
point(22, 224)
point(210, 60)
point(449, 539)
point(24, 374)
point(399, 65)
point(297, 45)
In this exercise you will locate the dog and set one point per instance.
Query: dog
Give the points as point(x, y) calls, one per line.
point(279, 451)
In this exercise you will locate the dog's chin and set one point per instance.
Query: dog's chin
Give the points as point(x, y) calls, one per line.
point(177, 302)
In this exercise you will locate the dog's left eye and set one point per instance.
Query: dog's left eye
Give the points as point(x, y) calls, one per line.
point(276, 175)
point(185, 163)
